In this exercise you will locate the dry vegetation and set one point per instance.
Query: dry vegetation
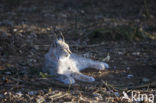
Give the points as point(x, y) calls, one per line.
point(124, 29)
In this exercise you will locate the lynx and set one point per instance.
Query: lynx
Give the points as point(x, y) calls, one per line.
point(65, 66)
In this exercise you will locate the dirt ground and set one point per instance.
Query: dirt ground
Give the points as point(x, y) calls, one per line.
point(94, 29)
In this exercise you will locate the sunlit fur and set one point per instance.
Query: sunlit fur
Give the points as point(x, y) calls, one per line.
point(65, 66)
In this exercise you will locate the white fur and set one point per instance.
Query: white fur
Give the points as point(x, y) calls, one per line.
point(66, 66)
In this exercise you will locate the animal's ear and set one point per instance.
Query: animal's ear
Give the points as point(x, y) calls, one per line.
point(58, 34)
point(55, 33)
point(61, 37)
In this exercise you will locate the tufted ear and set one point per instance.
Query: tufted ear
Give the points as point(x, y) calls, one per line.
point(55, 33)
point(55, 36)
point(62, 37)
point(58, 34)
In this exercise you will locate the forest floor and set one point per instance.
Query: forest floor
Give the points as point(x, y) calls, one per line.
point(126, 31)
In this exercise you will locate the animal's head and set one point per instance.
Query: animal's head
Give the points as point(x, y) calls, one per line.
point(61, 48)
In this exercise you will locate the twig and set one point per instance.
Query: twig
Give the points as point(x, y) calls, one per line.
point(110, 87)
point(58, 95)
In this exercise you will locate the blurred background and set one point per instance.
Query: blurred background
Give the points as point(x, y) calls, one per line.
point(125, 30)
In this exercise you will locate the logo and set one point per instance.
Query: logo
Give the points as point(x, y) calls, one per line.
point(138, 97)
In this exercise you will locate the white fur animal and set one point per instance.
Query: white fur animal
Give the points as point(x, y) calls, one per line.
point(66, 66)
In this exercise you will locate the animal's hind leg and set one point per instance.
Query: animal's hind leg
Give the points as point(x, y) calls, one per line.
point(82, 77)
point(89, 63)
point(99, 65)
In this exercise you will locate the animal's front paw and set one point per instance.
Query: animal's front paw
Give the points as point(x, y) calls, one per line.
point(69, 81)
point(86, 78)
